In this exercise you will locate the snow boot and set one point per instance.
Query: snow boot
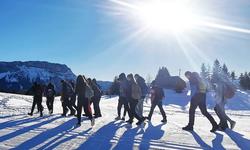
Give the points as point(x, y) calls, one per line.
point(92, 122)
point(164, 121)
point(215, 128)
point(30, 114)
point(118, 118)
point(123, 118)
point(188, 128)
point(232, 125)
point(129, 121)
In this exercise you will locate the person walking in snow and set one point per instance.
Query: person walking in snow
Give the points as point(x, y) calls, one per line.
point(123, 97)
point(83, 92)
point(198, 99)
point(144, 91)
point(96, 98)
point(157, 95)
point(50, 96)
point(66, 93)
point(134, 94)
point(37, 98)
point(222, 86)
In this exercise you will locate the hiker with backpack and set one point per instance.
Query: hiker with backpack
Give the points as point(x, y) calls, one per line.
point(198, 99)
point(37, 92)
point(157, 95)
point(83, 93)
point(224, 90)
point(66, 93)
point(96, 98)
point(144, 91)
point(50, 96)
point(134, 94)
point(123, 97)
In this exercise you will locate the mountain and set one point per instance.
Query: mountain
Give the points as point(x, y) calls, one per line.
point(17, 77)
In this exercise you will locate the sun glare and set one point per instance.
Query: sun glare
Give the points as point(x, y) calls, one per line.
point(166, 16)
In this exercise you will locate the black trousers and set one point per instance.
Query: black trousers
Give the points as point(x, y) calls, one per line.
point(83, 103)
point(73, 101)
point(133, 103)
point(67, 106)
point(96, 104)
point(153, 105)
point(123, 102)
point(223, 120)
point(50, 103)
point(199, 100)
point(37, 100)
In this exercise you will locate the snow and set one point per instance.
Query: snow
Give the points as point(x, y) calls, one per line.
point(19, 131)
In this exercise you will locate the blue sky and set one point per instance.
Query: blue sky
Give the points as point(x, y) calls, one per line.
point(91, 40)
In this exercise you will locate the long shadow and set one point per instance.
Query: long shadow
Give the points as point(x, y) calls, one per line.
point(17, 122)
point(102, 138)
point(151, 133)
point(26, 129)
point(126, 141)
point(42, 137)
point(199, 140)
point(53, 144)
point(10, 116)
point(217, 142)
point(238, 138)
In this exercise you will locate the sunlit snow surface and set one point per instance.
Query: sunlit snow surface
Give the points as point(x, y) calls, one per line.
point(19, 131)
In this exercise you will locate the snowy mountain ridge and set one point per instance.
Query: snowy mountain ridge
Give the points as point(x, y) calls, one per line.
point(17, 77)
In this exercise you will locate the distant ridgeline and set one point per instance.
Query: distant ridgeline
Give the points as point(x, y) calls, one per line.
point(165, 80)
point(17, 77)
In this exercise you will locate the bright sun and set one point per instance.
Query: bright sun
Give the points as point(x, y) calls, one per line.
point(166, 16)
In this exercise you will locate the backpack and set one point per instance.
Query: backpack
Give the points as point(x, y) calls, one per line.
point(89, 93)
point(70, 90)
point(161, 93)
point(50, 93)
point(136, 91)
point(228, 91)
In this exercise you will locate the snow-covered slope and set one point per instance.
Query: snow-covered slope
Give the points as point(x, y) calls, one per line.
point(18, 77)
point(19, 131)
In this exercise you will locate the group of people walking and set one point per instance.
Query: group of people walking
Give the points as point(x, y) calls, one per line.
point(85, 91)
point(132, 91)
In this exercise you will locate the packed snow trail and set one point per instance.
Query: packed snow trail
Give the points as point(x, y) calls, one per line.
point(20, 131)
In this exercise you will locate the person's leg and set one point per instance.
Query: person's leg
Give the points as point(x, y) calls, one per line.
point(193, 106)
point(203, 108)
point(127, 108)
point(69, 105)
point(139, 108)
point(87, 109)
point(94, 100)
point(134, 104)
point(222, 115)
point(162, 111)
point(119, 107)
point(153, 105)
point(33, 106)
point(79, 111)
point(99, 114)
point(65, 109)
point(48, 103)
point(39, 105)
point(52, 104)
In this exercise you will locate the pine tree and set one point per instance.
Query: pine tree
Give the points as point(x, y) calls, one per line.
point(242, 80)
point(225, 71)
point(216, 71)
point(205, 72)
point(233, 77)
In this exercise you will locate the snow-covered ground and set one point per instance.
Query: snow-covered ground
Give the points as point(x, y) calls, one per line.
point(19, 131)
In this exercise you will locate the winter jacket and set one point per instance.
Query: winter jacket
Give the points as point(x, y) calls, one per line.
point(219, 93)
point(143, 86)
point(157, 94)
point(124, 90)
point(50, 91)
point(80, 90)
